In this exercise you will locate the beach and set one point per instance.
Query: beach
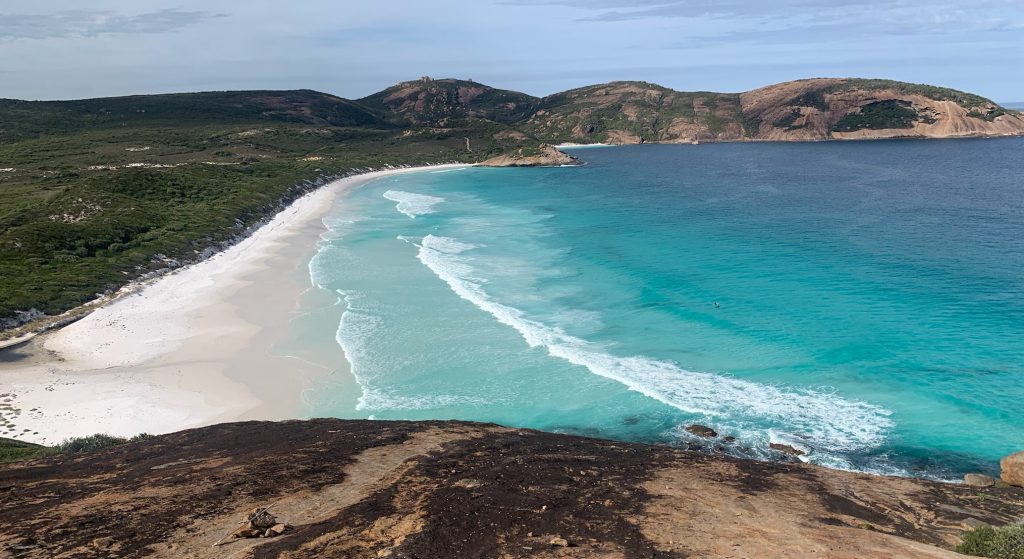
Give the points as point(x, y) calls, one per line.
point(192, 348)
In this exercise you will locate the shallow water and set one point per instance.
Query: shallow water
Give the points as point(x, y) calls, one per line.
point(861, 301)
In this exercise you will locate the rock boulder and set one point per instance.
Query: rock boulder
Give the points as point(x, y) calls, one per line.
point(1012, 469)
point(979, 480)
point(702, 431)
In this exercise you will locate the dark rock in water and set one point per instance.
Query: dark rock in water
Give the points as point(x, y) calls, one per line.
point(786, 449)
point(1012, 469)
point(979, 480)
point(729, 438)
point(702, 431)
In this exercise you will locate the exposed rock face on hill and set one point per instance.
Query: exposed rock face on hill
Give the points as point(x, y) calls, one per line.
point(449, 489)
point(632, 112)
point(544, 156)
point(869, 109)
point(429, 102)
point(637, 112)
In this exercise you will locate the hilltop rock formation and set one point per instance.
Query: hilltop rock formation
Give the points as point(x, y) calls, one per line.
point(544, 156)
point(452, 489)
point(430, 102)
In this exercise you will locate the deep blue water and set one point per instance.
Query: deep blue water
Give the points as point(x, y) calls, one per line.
point(870, 298)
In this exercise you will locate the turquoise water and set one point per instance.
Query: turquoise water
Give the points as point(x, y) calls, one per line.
point(870, 298)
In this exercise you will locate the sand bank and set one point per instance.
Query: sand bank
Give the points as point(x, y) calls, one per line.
point(193, 348)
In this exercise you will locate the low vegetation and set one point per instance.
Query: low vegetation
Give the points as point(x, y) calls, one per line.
point(85, 211)
point(12, 450)
point(966, 100)
point(879, 115)
point(93, 443)
point(1006, 542)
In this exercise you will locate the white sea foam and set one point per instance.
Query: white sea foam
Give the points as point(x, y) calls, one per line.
point(827, 423)
point(377, 399)
point(412, 204)
point(358, 324)
point(354, 330)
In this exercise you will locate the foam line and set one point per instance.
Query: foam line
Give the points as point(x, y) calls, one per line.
point(412, 204)
point(827, 422)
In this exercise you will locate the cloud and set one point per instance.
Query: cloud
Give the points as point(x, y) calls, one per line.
point(974, 16)
point(94, 23)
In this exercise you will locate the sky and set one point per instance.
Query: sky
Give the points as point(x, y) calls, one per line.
point(67, 49)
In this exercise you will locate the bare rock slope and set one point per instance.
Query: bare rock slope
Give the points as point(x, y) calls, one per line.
point(847, 109)
point(450, 489)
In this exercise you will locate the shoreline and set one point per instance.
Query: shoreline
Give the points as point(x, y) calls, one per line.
point(191, 348)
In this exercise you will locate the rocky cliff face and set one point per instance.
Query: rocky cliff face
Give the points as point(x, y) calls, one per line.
point(450, 489)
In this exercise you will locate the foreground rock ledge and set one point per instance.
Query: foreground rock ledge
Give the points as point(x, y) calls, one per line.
point(450, 489)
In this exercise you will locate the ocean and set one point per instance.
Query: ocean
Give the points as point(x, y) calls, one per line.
point(860, 301)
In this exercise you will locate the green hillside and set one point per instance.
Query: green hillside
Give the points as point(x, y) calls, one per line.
point(29, 119)
point(96, 193)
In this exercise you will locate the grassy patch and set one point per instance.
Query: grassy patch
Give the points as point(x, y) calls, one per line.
point(1006, 542)
point(12, 450)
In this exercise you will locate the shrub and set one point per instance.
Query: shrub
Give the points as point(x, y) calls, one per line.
point(94, 443)
point(1006, 542)
point(879, 115)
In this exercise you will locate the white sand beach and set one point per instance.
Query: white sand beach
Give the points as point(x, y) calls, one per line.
point(192, 348)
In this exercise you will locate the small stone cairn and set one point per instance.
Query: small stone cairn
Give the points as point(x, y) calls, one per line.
point(260, 523)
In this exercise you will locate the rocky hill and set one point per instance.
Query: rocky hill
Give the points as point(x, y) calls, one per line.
point(450, 489)
point(617, 112)
point(865, 109)
point(429, 102)
point(636, 112)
